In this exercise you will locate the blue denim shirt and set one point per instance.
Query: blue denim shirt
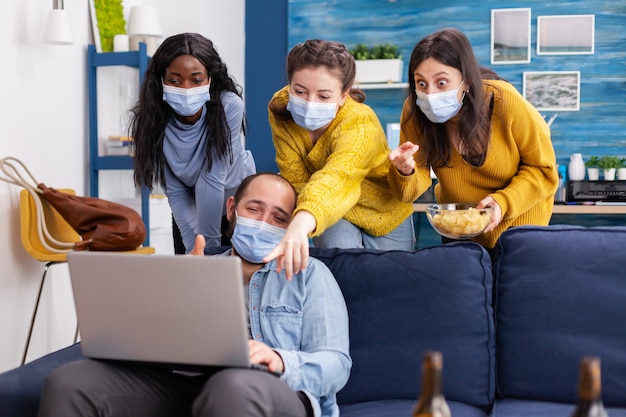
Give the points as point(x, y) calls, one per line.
point(305, 321)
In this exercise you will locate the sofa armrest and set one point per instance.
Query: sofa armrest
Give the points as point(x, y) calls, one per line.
point(20, 388)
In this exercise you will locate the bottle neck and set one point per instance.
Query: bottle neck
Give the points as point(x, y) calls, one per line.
point(431, 401)
point(431, 381)
point(589, 385)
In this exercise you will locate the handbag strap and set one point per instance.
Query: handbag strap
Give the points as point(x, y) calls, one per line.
point(13, 170)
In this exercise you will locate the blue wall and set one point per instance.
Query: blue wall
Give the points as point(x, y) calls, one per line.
point(599, 127)
point(273, 26)
point(266, 49)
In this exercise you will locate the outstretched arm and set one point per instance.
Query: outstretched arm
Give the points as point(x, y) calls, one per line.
point(292, 253)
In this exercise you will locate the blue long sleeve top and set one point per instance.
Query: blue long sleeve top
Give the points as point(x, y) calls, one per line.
point(196, 195)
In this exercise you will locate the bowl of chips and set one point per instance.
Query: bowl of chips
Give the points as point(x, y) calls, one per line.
point(458, 221)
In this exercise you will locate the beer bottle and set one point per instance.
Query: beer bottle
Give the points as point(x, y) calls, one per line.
point(589, 390)
point(431, 402)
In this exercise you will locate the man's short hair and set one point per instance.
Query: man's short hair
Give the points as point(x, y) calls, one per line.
point(246, 183)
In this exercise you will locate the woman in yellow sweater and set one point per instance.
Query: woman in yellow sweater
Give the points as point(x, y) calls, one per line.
point(333, 149)
point(484, 141)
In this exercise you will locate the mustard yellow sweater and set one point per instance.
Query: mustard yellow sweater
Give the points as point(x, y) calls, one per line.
point(519, 171)
point(345, 174)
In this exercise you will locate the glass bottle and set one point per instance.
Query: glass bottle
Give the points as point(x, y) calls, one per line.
point(576, 168)
point(561, 192)
point(589, 390)
point(431, 402)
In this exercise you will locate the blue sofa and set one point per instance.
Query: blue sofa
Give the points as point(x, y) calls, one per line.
point(512, 331)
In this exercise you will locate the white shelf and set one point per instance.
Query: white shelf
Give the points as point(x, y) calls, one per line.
point(380, 86)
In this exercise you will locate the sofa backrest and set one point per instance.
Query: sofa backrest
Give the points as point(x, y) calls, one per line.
point(560, 295)
point(401, 304)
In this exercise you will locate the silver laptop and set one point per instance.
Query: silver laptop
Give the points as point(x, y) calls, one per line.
point(186, 312)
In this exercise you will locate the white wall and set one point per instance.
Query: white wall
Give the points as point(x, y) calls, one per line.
point(43, 121)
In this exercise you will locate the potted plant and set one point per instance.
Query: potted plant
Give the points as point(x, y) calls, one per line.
point(381, 63)
point(593, 170)
point(609, 165)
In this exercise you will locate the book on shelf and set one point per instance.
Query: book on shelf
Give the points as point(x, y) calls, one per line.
point(119, 145)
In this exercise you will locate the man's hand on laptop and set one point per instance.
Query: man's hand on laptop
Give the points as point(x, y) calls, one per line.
point(261, 353)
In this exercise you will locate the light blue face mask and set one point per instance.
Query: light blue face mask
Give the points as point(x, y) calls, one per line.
point(186, 101)
point(254, 239)
point(311, 115)
point(439, 107)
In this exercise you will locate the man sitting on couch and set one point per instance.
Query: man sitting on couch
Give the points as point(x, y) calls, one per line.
point(306, 341)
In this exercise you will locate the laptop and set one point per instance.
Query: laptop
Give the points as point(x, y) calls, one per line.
point(183, 312)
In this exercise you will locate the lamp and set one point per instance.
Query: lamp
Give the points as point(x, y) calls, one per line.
point(144, 26)
point(144, 21)
point(58, 30)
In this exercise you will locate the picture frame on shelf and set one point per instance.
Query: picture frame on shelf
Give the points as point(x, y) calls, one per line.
point(566, 35)
point(552, 90)
point(510, 36)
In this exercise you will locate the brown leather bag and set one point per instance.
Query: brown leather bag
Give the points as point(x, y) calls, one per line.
point(103, 225)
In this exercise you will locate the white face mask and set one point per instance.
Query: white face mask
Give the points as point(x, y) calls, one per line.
point(254, 239)
point(440, 107)
point(311, 115)
point(186, 101)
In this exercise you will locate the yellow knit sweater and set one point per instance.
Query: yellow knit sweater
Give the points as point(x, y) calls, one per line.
point(344, 175)
point(519, 171)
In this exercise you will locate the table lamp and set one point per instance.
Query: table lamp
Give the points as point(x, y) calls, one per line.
point(144, 26)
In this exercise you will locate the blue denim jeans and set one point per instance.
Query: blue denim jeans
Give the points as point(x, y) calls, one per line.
point(346, 235)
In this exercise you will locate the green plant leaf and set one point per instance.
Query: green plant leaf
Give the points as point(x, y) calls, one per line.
point(111, 22)
point(379, 51)
point(592, 162)
point(608, 162)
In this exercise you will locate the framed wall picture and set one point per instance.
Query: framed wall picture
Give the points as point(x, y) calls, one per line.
point(553, 91)
point(510, 36)
point(107, 20)
point(565, 35)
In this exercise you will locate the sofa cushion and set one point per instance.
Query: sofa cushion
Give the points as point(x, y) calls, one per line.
point(402, 408)
point(401, 304)
point(560, 295)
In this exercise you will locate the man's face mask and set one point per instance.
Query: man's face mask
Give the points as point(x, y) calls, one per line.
point(254, 239)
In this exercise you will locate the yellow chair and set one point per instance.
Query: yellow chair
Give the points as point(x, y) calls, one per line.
point(60, 230)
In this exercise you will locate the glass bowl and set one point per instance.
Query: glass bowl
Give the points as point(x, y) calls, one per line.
point(458, 221)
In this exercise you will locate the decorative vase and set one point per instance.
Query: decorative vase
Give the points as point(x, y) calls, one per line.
point(609, 174)
point(576, 169)
point(621, 173)
point(593, 174)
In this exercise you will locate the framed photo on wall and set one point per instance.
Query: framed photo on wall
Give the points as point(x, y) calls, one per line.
point(510, 36)
point(553, 90)
point(566, 35)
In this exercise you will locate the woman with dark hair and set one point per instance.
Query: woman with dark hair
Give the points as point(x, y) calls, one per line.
point(484, 141)
point(333, 149)
point(187, 127)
